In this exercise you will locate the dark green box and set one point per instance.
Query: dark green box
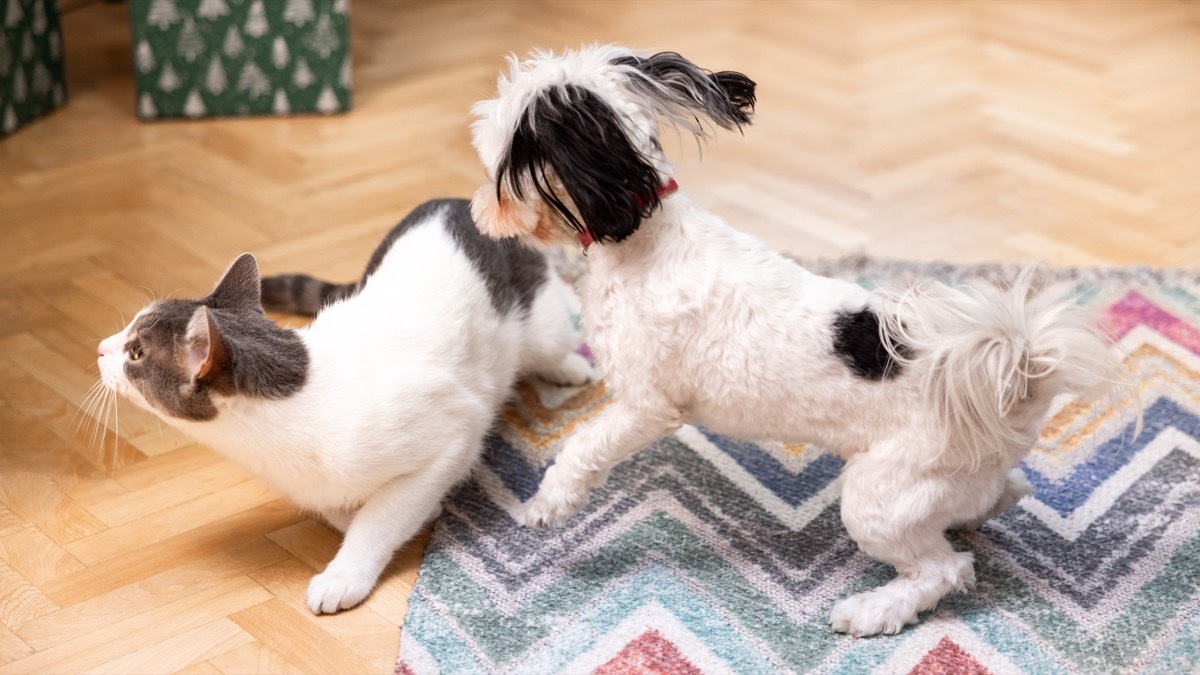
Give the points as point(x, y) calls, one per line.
point(31, 62)
point(208, 58)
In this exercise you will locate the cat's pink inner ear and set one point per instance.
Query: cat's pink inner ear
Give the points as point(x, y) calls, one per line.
point(204, 352)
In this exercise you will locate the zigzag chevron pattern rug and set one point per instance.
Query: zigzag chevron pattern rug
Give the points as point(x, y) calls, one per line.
point(707, 554)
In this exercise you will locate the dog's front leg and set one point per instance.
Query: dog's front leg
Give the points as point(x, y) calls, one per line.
point(616, 433)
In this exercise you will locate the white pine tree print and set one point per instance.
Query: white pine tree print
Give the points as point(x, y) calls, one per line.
point(59, 94)
point(55, 45)
point(143, 57)
point(194, 105)
point(216, 81)
point(341, 7)
point(279, 53)
point(303, 77)
point(39, 17)
point(344, 77)
point(41, 80)
point(256, 21)
point(20, 87)
point(253, 80)
point(168, 81)
point(327, 102)
point(323, 40)
point(233, 46)
point(281, 105)
point(191, 45)
point(163, 13)
point(211, 9)
point(10, 119)
point(14, 14)
point(298, 12)
point(146, 109)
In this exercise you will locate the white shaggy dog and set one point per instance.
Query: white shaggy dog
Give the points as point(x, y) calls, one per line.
point(932, 397)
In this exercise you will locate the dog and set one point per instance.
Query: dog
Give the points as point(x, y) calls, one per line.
point(932, 396)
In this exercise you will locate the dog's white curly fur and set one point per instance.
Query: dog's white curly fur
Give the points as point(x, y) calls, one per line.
point(692, 321)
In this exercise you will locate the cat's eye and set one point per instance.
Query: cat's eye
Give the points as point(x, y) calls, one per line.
point(135, 354)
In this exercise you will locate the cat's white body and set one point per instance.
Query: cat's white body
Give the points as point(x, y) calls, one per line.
point(404, 380)
point(401, 377)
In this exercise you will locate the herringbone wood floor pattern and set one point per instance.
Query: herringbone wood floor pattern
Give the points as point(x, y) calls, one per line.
point(965, 132)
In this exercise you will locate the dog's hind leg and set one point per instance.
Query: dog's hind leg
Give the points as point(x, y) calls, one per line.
point(1016, 487)
point(898, 513)
point(583, 463)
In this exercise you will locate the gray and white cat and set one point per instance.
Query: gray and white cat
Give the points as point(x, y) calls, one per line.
point(372, 413)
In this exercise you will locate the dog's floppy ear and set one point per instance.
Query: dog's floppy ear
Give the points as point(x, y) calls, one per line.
point(499, 216)
point(685, 91)
point(571, 148)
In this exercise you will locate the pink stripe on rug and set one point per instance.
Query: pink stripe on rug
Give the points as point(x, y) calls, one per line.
point(948, 657)
point(1135, 310)
point(649, 653)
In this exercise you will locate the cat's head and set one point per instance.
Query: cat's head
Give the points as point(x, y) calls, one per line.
point(181, 358)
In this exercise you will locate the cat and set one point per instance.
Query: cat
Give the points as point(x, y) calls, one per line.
point(371, 414)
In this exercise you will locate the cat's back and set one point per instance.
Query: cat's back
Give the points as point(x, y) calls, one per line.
point(436, 296)
point(438, 243)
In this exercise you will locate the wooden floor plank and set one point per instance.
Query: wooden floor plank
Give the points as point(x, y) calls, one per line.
point(180, 651)
point(286, 631)
point(126, 636)
point(192, 576)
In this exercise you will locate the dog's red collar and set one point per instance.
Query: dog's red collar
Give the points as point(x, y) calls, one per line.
point(585, 237)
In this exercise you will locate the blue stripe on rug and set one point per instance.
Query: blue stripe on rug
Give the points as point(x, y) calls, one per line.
point(791, 487)
point(1070, 493)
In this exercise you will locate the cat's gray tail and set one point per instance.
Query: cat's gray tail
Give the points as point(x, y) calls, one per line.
point(301, 294)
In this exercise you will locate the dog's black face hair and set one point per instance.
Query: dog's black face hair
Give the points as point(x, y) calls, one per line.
point(571, 131)
point(727, 97)
point(856, 341)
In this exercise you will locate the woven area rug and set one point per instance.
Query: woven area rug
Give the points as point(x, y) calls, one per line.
point(707, 554)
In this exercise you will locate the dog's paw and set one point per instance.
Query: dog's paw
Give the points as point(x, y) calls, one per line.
point(871, 613)
point(329, 592)
point(552, 508)
point(574, 371)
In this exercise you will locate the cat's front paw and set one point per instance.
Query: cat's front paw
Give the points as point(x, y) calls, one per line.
point(574, 371)
point(552, 508)
point(329, 592)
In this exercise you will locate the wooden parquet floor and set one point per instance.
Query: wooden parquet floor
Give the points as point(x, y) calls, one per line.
point(954, 131)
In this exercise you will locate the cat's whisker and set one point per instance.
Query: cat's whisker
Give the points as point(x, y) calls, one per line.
point(94, 420)
point(91, 394)
point(149, 294)
point(93, 414)
point(110, 405)
point(116, 434)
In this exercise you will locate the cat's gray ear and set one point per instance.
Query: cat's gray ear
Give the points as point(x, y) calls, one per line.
point(204, 352)
point(240, 287)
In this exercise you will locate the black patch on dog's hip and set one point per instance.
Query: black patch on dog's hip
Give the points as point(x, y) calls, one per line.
point(857, 343)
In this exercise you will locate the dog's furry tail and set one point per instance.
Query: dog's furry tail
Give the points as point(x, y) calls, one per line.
point(302, 294)
point(989, 355)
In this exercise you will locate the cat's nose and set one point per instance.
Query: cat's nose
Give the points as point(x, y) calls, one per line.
point(107, 345)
